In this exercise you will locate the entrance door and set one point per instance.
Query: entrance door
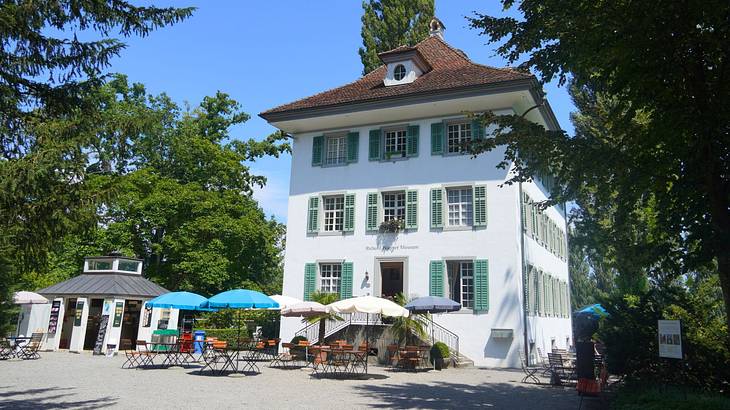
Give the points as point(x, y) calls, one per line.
point(92, 323)
point(68, 324)
point(130, 320)
point(391, 279)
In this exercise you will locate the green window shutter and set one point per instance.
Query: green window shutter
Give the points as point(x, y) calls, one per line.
point(437, 208)
point(477, 130)
point(479, 207)
point(535, 219)
point(411, 209)
point(566, 309)
point(313, 215)
point(371, 222)
point(437, 138)
point(349, 223)
point(317, 150)
point(540, 293)
point(353, 144)
point(526, 288)
point(412, 141)
point(346, 281)
point(481, 285)
point(436, 278)
point(310, 279)
point(374, 145)
point(523, 210)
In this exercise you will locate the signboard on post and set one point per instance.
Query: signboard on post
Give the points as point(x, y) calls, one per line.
point(118, 312)
point(670, 339)
point(79, 312)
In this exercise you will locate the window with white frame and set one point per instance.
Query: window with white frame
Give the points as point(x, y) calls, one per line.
point(394, 206)
point(334, 213)
point(329, 277)
point(461, 282)
point(336, 150)
point(395, 143)
point(457, 134)
point(459, 201)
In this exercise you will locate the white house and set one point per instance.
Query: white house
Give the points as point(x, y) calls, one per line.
point(387, 148)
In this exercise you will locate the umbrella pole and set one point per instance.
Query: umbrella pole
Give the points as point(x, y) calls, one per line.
point(432, 339)
point(367, 342)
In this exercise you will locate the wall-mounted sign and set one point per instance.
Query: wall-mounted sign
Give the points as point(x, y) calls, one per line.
point(391, 248)
point(118, 311)
point(53, 320)
point(79, 312)
point(670, 339)
point(107, 308)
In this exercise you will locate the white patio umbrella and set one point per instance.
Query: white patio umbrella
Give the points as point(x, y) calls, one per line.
point(304, 309)
point(369, 305)
point(285, 301)
point(28, 298)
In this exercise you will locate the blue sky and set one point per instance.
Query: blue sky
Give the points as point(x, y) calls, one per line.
point(266, 53)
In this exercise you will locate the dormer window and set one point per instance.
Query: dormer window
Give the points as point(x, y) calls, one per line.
point(399, 72)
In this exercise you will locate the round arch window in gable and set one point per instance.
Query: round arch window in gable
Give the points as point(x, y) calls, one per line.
point(399, 72)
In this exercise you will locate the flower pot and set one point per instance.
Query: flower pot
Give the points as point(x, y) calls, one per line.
point(439, 363)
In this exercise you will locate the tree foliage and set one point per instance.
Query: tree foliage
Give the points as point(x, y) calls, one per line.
point(46, 119)
point(662, 156)
point(182, 194)
point(387, 24)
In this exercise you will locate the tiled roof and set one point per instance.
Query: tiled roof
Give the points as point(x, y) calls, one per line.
point(106, 284)
point(451, 69)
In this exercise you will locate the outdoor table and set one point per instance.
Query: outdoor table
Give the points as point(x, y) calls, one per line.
point(169, 351)
point(342, 362)
point(17, 345)
point(419, 353)
point(236, 360)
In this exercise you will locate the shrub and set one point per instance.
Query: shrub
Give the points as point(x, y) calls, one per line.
point(630, 336)
point(439, 349)
point(647, 397)
point(228, 335)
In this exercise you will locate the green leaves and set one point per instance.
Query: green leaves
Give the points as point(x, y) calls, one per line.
point(388, 24)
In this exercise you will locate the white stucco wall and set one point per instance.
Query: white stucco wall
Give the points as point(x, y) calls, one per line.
point(543, 330)
point(499, 242)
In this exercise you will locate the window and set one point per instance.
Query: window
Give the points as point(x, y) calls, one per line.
point(460, 206)
point(457, 134)
point(461, 282)
point(334, 213)
point(128, 266)
point(336, 150)
point(395, 143)
point(394, 206)
point(329, 276)
point(399, 72)
point(100, 265)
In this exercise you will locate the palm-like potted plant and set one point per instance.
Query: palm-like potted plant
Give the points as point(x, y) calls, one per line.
point(440, 352)
point(408, 329)
point(325, 299)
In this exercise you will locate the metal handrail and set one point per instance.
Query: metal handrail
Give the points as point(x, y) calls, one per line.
point(311, 331)
point(444, 335)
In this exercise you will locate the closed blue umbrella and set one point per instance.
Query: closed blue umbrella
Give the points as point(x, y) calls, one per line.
point(179, 300)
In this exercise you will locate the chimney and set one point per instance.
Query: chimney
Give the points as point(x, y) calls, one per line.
point(436, 28)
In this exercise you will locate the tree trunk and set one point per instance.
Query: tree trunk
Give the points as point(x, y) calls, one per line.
point(322, 323)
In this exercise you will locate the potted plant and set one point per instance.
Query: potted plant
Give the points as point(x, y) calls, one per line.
point(440, 355)
point(392, 225)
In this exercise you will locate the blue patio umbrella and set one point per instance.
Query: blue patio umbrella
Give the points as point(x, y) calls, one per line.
point(432, 304)
point(596, 311)
point(240, 299)
point(179, 300)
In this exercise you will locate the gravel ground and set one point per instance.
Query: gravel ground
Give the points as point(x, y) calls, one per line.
point(70, 381)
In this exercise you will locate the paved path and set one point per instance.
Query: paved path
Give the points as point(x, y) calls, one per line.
point(69, 381)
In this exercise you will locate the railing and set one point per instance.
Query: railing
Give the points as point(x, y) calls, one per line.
point(311, 331)
point(440, 333)
point(443, 335)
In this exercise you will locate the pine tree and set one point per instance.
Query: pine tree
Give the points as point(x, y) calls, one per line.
point(387, 24)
